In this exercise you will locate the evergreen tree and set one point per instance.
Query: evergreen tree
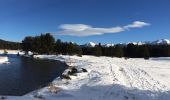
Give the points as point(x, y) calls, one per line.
point(130, 50)
point(47, 43)
point(97, 50)
point(118, 51)
point(58, 47)
point(145, 52)
point(27, 44)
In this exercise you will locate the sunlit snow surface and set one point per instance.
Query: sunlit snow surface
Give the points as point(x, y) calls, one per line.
point(3, 60)
point(109, 79)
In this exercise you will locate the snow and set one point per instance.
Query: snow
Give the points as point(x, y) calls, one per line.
point(108, 79)
point(3, 60)
point(136, 43)
point(90, 44)
point(12, 52)
point(108, 45)
point(157, 42)
point(161, 41)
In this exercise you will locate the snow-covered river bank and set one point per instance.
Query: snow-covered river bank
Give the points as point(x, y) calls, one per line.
point(3, 60)
point(107, 79)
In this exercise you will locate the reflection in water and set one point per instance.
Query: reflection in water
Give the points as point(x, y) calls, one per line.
point(23, 75)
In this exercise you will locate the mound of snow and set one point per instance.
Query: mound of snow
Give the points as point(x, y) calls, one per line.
point(3, 59)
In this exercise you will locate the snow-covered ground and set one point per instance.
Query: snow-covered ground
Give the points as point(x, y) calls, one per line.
point(3, 60)
point(108, 79)
point(11, 51)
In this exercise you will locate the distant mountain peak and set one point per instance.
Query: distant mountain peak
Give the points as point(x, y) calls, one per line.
point(108, 45)
point(157, 42)
point(161, 41)
point(137, 43)
point(90, 44)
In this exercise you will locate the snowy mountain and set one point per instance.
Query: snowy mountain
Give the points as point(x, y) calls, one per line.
point(136, 43)
point(161, 41)
point(157, 42)
point(108, 45)
point(90, 44)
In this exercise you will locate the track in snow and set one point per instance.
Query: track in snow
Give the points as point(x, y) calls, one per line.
point(133, 77)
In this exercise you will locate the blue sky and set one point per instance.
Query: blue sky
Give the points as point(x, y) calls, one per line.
point(82, 21)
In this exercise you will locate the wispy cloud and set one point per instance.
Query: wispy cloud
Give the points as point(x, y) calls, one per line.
point(87, 30)
point(136, 24)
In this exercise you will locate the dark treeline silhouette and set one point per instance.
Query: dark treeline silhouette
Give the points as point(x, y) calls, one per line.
point(67, 48)
point(9, 45)
point(46, 44)
point(98, 50)
point(130, 51)
point(147, 51)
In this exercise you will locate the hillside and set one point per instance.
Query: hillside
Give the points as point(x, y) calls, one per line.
point(9, 45)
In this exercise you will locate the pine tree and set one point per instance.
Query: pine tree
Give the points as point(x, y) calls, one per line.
point(97, 50)
point(27, 44)
point(118, 51)
point(145, 52)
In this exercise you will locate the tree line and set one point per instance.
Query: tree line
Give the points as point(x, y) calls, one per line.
point(130, 51)
point(46, 44)
point(10, 45)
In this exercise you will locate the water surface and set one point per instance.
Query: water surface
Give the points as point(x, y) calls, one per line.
point(23, 75)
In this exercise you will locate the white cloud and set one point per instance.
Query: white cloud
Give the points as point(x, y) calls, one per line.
point(136, 24)
point(74, 27)
point(87, 30)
